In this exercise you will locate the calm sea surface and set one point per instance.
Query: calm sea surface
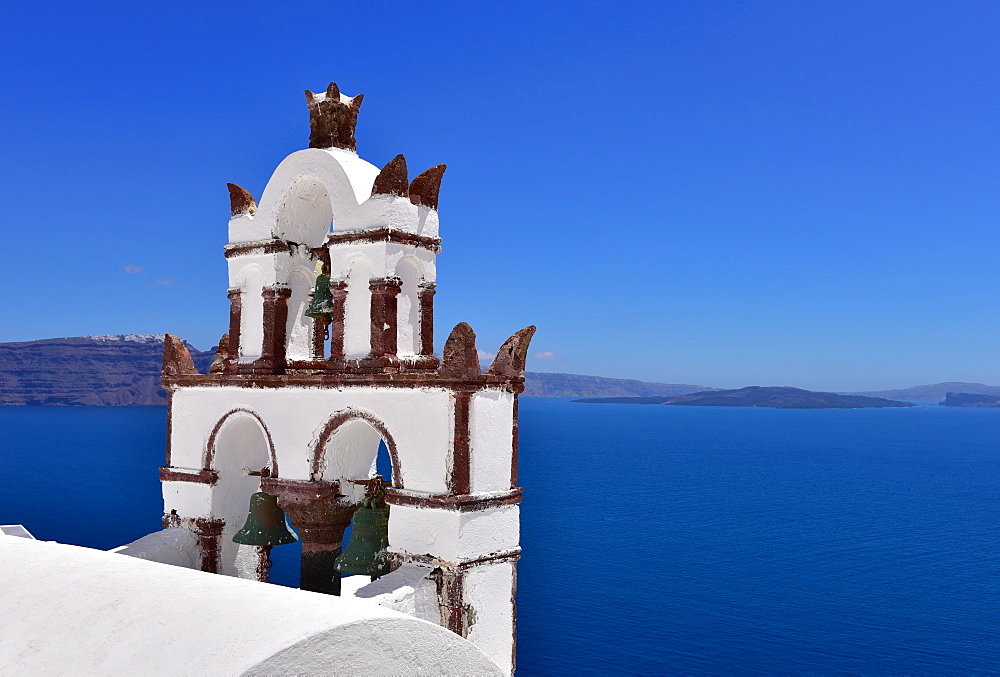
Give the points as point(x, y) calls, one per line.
point(681, 540)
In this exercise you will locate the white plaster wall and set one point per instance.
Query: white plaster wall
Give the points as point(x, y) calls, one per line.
point(357, 308)
point(407, 589)
point(489, 591)
point(398, 213)
point(175, 546)
point(72, 610)
point(451, 535)
point(491, 421)
point(418, 420)
point(189, 499)
point(305, 213)
point(385, 258)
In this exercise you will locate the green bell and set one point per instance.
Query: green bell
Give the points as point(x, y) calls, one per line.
point(321, 305)
point(366, 554)
point(265, 523)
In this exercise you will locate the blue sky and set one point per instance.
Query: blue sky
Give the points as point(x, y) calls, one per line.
point(719, 193)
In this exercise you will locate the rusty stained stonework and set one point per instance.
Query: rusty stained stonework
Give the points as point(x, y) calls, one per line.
point(426, 188)
point(460, 358)
point(233, 344)
point(220, 362)
point(426, 296)
point(332, 120)
point(384, 315)
point(241, 201)
point(393, 179)
point(459, 477)
point(321, 518)
point(176, 357)
point(512, 357)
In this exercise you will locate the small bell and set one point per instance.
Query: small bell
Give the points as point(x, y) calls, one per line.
point(265, 524)
point(321, 306)
point(366, 554)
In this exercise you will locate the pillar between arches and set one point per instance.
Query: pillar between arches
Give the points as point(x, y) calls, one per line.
point(272, 356)
point(235, 311)
point(384, 315)
point(320, 519)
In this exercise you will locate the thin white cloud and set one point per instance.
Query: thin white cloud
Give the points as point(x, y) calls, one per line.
point(485, 356)
point(131, 269)
point(167, 282)
point(547, 355)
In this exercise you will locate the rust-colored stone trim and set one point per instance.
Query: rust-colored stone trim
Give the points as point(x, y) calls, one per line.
point(460, 359)
point(513, 354)
point(339, 290)
point(176, 357)
point(320, 518)
point(451, 600)
point(240, 201)
point(459, 477)
point(168, 474)
point(513, 448)
point(392, 179)
point(273, 246)
point(210, 539)
point(318, 452)
point(235, 310)
point(272, 357)
point(426, 188)
point(332, 121)
point(353, 375)
point(432, 244)
point(425, 294)
point(209, 460)
point(430, 560)
point(460, 503)
point(384, 315)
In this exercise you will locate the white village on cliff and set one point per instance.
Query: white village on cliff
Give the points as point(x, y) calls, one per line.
point(329, 353)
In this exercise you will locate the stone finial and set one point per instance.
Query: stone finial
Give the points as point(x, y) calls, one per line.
point(241, 201)
point(425, 188)
point(176, 358)
point(512, 357)
point(392, 179)
point(332, 117)
point(460, 359)
point(220, 360)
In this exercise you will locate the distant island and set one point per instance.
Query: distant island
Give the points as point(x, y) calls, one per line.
point(970, 400)
point(124, 370)
point(775, 397)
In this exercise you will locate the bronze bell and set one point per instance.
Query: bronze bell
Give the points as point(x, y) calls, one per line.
point(265, 524)
point(321, 305)
point(366, 554)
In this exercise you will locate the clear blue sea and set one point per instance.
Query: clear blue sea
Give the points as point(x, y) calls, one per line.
point(662, 540)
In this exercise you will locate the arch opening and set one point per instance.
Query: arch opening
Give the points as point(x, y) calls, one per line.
point(358, 309)
point(408, 309)
point(239, 444)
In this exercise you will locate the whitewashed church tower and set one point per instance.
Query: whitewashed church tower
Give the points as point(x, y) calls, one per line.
point(311, 399)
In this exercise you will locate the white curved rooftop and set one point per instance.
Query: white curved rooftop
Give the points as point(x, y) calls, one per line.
point(68, 609)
